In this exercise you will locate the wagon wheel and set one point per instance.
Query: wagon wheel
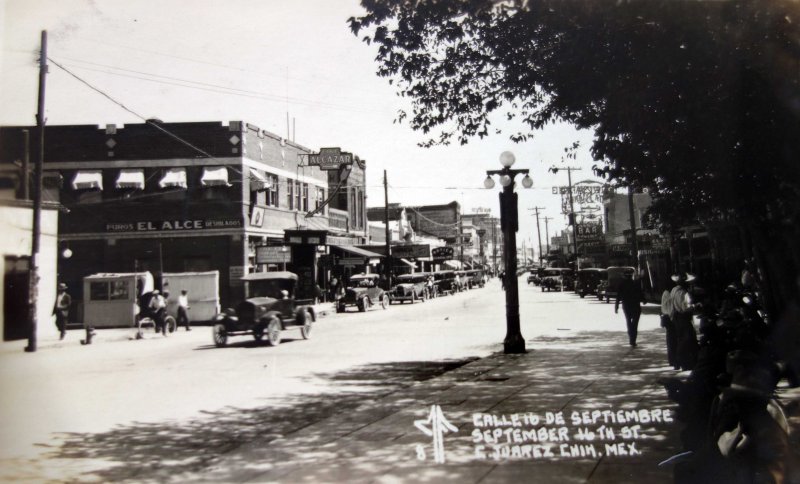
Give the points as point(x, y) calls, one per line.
point(170, 324)
point(258, 332)
point(220, 335)
point(385, 301)
point(274, 331)
point(305, 330)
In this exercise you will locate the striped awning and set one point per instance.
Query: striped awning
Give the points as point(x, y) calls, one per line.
point(173, 178)
point(133, 179)
point(214, 177)
point(88, 180)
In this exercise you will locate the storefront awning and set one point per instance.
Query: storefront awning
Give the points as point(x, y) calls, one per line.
point(259, 182)
point(174, 178)
point(131, 179)
point(88, 180)
point(215, 177)
point(356, 251)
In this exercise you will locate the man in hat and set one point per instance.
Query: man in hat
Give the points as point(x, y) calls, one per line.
point(61, 309)
point(631, 296)
point(158, 308)
point(681, 310)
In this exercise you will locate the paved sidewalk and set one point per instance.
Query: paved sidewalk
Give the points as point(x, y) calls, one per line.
point(377, 440)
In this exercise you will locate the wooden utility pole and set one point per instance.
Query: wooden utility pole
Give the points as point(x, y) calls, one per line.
point(33, 292)
point(547, 233)
point(387, 267)
point(538, 231)
point(572, 218)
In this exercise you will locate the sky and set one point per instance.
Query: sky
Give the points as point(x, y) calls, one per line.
point(256, 61)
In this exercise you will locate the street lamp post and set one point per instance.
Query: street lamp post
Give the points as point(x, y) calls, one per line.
point(513, 342)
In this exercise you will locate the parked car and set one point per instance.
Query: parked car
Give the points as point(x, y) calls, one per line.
point(410, 287)
point(445, 282)
point(557, 279)
point(268, 309)
point(363, 292)
point(533, 278)
point(476, 278)
point(615, 276)
point(589, 279)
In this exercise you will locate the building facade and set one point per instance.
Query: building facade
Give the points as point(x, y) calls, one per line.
point(174, 197)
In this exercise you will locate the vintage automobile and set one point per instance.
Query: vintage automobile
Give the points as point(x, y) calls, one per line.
point(268, 308)
point(410, 287)
point(557, 279)
point(533, 278)
point(363, 292)
point(589, 279)
point(477, 278)
point(445, 282)
point(615, 276)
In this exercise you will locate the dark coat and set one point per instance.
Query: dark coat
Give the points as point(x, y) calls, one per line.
point(630, 295)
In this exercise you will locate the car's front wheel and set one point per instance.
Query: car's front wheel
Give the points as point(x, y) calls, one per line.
point(274, 331)
point(305, 330)
point(258, 332)
point(362, 304)
point(385, 301)
point(220, 335)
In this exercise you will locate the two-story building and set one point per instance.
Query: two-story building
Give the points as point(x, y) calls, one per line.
point(174, 197)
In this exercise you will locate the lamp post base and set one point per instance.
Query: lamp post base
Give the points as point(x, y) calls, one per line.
point(514, 344)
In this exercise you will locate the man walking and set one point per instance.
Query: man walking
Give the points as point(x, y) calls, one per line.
point(61, 309)
point(669, 327)
point(681, 316)
point(183, 309)
point(630, 294)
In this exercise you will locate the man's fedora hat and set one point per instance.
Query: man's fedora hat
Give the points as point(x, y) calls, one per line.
point(684, 277)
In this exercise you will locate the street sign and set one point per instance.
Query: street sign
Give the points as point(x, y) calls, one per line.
point(411, 251)
point(351, 261)
point(271, 254)
point(442, 253)
point(330, 158)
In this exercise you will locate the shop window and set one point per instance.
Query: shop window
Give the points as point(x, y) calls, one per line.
point(215, 193)
point(119, 290)
point(258, 198)
point(89, 196)
point(272, 192)
point(98, 291)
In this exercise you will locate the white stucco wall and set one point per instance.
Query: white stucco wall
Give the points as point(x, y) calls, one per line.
point(16, 224)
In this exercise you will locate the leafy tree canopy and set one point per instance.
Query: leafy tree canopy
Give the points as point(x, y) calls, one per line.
point(696, 100)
